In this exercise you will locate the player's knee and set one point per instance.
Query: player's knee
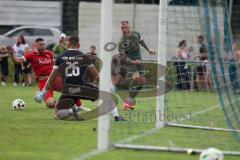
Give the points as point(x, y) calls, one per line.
point(62, 114)
point(50, 103)
point(59, 116)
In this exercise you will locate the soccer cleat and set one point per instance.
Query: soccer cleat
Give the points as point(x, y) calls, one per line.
point(77, 115)
point(82, 108)
point(119, 118)
point(75, 109)
point(128, 105)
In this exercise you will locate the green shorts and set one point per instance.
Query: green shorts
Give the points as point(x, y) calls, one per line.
point(128, 71)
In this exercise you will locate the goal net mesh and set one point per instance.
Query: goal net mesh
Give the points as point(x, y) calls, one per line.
point(201, 106)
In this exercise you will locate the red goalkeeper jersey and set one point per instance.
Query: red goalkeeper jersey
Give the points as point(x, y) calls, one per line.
point(42, 64)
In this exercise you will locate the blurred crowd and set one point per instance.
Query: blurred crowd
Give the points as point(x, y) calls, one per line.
point(194, 67)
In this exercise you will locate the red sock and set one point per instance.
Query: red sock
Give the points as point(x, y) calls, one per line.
point(78, 102)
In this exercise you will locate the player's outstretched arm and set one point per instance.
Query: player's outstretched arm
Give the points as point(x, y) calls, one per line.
point(150, 51)
point(40, 96)
point(13, 57)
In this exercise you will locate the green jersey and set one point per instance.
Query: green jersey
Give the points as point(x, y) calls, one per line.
point(130, 45)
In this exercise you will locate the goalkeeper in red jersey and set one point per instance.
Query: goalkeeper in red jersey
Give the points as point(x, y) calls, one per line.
point(42, 62)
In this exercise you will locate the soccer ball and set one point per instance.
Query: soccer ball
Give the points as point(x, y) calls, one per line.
point(211, 154)
point(18, 104)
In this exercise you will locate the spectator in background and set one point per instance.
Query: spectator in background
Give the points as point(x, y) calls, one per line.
point(19, 48)
point(92, 53)
point(60, 47)
point(95, 60)
point(27, 72)
point(202, 78)
point(232, 56)
point(202, 48)
point(182, 50)
point(190, 53)
point(4, 64)
point(183, 77)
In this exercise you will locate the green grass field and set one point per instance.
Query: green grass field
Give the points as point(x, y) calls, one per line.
point(34, 134)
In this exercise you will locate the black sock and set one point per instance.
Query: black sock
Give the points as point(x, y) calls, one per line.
point(134, 89)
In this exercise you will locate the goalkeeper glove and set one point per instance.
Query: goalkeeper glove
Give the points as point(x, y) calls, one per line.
point(39, 97)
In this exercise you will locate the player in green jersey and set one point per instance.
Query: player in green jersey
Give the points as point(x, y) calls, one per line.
point(129, 44)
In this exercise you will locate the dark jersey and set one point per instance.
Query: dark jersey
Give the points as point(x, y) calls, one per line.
point(73, 66)
point(130, 45)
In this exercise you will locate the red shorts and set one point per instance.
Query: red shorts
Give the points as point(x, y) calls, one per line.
point(55, 86)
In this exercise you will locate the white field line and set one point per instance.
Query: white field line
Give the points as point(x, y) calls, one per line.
point(87, 155)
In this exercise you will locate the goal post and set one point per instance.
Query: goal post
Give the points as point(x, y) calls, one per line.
point(105, 74)
point(162, 50)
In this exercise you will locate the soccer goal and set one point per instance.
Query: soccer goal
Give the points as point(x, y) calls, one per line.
point(200, 107)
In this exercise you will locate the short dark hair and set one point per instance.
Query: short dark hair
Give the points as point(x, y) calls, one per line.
point(93, 47)
point(39, 39)
point(181, 43)
point(73, 41)
point(201, 37)
point(23, 39)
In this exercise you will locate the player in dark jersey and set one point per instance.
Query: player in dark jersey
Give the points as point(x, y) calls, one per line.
point(73, 66)
point(129, 44)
